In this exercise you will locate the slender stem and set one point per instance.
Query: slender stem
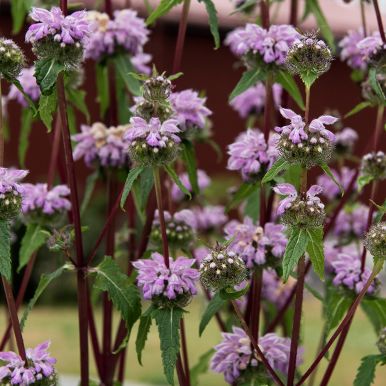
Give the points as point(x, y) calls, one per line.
point(158, 192)
point(261, 355)
point(180, 371)
point(1, 127)
point(378, 126)
point(268, 106)
point(307, 111)
point(264, 13)
point(64, 7)
point(363, 17)
point(379, 21)
point(184, 347)
point(181, 37)
point(294, 12)
point(257, 285)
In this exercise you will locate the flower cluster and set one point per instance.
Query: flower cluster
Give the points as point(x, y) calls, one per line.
point(251, 154)
point(209, 218)
point(104, 146)
point(307, 144)
point(30, 87)
point(348, 273)
point(374, 165)
point(161, 284)
point(254, 244)
point(271, 46)
point(252, 101)
point(330, 188)
point(39, 368)
point(11, 59)
point(11, 192)
point(41, 203)
point(304, 209)
point(345, 140)
point(125, 33)
point(234, 354)
point(376, 240)
point(203, 181)
point(350, 51)
point(370, 46)
point(352, 222)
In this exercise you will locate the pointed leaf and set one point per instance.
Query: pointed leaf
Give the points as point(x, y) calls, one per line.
point(248, 79)
point(5, 251)
point(213, 21)
point(124, 69)
point(214, 306)
point(280, 165)
point(289, 84)
point(19, 10)
point(189, 156)
point(78, 99)
point(131, 177)
point(364, 180)
point(231, 294)
point(141, 190)
point(143, 331)
point(244, 191)
point(315, 250)
point(46, 74)
point(366, 371)
point(164, 7)
point(174, 176)
point(30, 102)
point(359, 107)
point(25, 129)
point(374, 83)
point(327, 170)
point(90, 186)
point(47, 107)
point(201, 367)
point(375, 309)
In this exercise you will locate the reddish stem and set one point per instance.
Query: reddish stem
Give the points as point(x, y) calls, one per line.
point(264, 13)
point(184, 348)
point(379, 21)
point(257, 285)
point(294, 12)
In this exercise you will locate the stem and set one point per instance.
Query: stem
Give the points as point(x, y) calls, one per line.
point(1, 127)
point(158, 192)
point(363, 18)
point(261, 355)
point(257, 285)
point(180, 371)
point(378, 126)
point(379, 21)
point(307, 111)
point(268, 106)
point(185, 352)
point(264, 13)
point(294, 12)
point(181, 37)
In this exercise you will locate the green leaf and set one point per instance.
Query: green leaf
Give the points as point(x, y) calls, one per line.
point(78, 99)
point(5, 251)
point(131, 177)
point(280, 165)
point(174, 176)
point(214, 306)
point(164, 7)
point(359, 107)
point(248, 79)
point(374, 83)
point(45, 281)
point(244, 191)
point(315, 250)
point(213, 20)
point(297, 245)
point(364, 180)
point(25, 129)
point(32, 240)
point(292, 175)
point(231, 294)
point(328, 171)
point(189, 158)
point(46, 74)
point(289, 84)
point(47, 107)
point(19, 10)
point(141, 190)
point(89, 189)
point(381, 211)
point(325, 29)
point(124, 294)
point(102, 83)
point(143, 331)
point(375, 309)
point(124, 69)
point(168, 322)
point(366, 371)
point(201, 367)
point(30, 102)
point(252, 205)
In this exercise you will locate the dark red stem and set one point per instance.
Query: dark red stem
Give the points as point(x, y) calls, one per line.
point(264, 13)
point(294, 12)
point(379, 21)
point(184, 349)
point(257, 285)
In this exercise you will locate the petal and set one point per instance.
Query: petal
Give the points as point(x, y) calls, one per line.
point(314, 190)
point(287, 113)
point(327, 119)
point(285, 189)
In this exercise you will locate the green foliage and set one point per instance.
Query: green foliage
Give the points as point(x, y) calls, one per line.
point(214, 306)
point(89, 189)
point(315, 250)
point(292, 175)
point(143, 331)
point(213, 20)
point(375, 309)
point(252, 205)
point(366, 371)
point(125, 69)
point(5, 251)
point(47, 107)
point(141, 190)
point(327, 170)
point(122, 292)
point(102, 84)
point(25, 129)
point(200, 367)
point(19, 10)
point(30, 102)
point(164, 7)
point(78, 99)
point(359, 107)
point(174, 176)
point(131, 177)
point(168, 322)
point(248, 79)
point(381, 211)
point(374, 83)
point(244, 191)
point(33, 239)
point(230, 294)
point(189, 157)
point(46, 74)
point(280, 165)
point(364, 180)
point(289, 84)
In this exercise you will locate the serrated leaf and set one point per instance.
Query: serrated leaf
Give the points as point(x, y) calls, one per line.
point(5, 251)
point(124, 69)
point(141, 190)
point(375, 309)
point(213, 20)
point(46, 74)
point(131, 177)
point(102, 84)
point(25, 129)
point(296, 247)
point(231, 294)
point(164, 7)
point(189, 158)
point(201, 367)
point(329, 173)
point(359, 107)
point(289, 84)
point(280, 165)
point(174, 176)
point(315, 250)
point(32, 240)
point(78, 99)
point(47, 107)
point(374, 83)
point(90, 185)
point(45, 281)
point(124, 294)
point(214, 306)
point(364, 180)
point(244, 191)
point(168, 322)
point(143, 331)
point(366, 371)
point(248, 79)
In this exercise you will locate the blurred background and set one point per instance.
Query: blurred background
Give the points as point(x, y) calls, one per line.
point(215, 73)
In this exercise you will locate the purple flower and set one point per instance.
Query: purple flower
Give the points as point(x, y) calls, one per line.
point(330, 189)
point(9, 181)
point(234, 354)
point(346, 138)
point(126, 31)
point(370, 45)
point(348, 273)
point(66, 30)
point(141, 63)
point(253, 243)
point(251, 155)
point(200, 253)
point(210, 217)
point(274, 290)
point(185, 216)
point(155, 279)
point(352, 222)
point(155, 133)
point(252, 101)
point(37, 198)
point(350, 51)
point(190, 109)
point(291, 193)
point(41, 359)
point(31, 88)
point(272, 44)
point(203, 182)
point(107, 146)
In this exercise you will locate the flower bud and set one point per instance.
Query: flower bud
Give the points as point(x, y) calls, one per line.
point(157, 88)
point(374, 164)
point(381, 343)
point(375, 240)
point(10, 204)
point(61, 239)
point(181, 300)
point(11, 59)
point(222, 269)
point(148, 109)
